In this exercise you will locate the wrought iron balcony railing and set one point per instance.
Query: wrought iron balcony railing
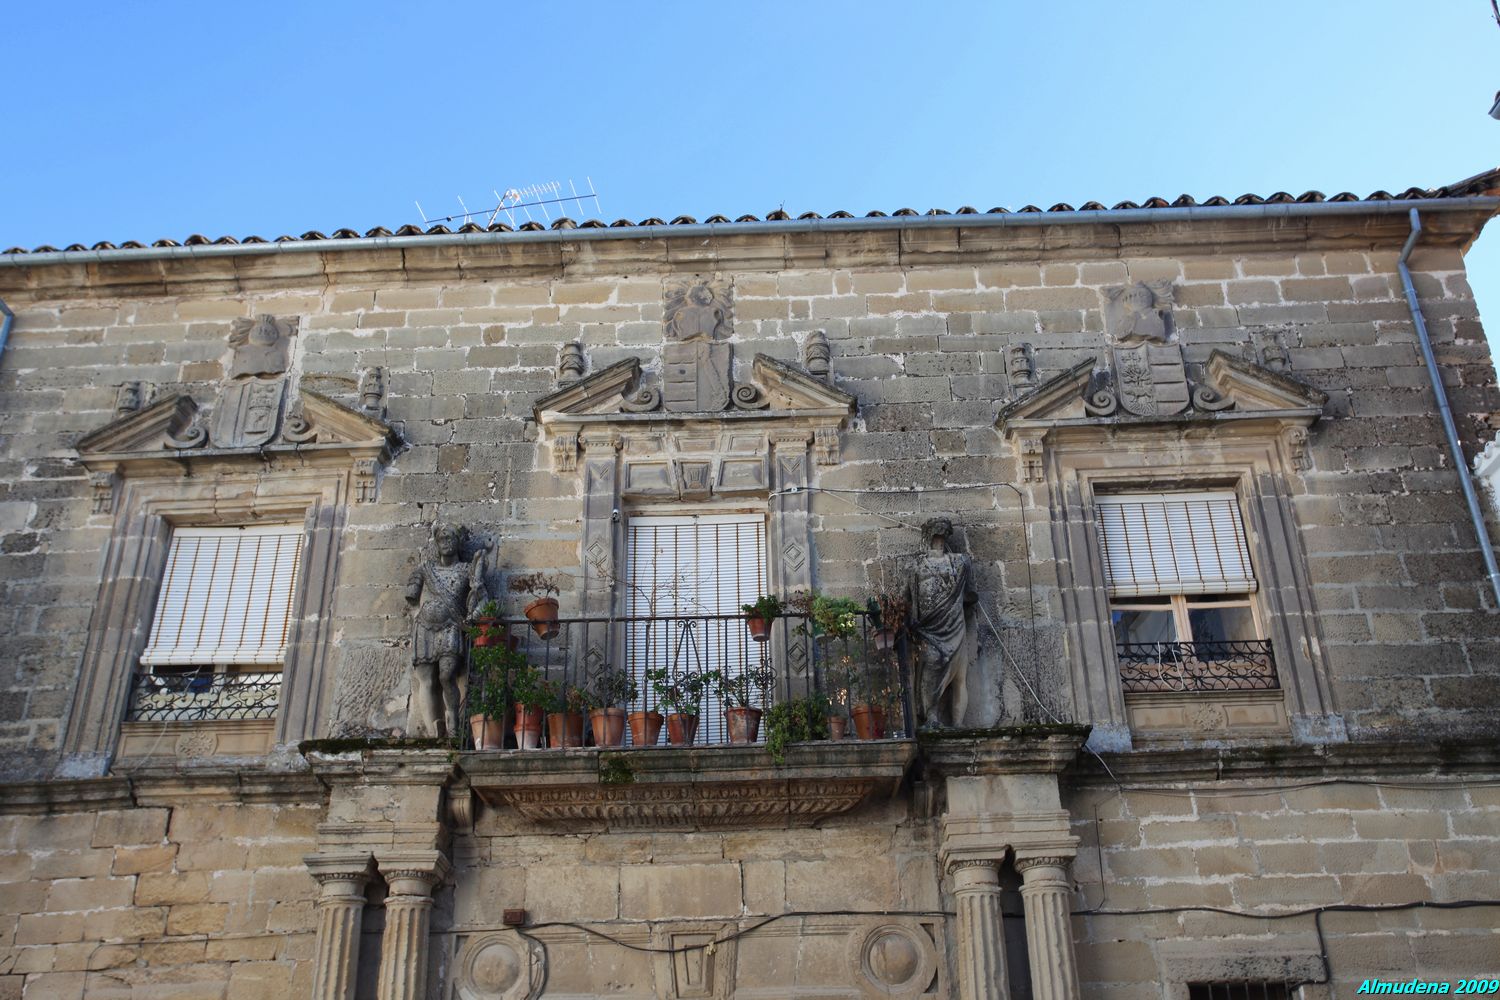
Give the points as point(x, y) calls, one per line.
point(1242, 665)
point(668, 656)
point(203, 697)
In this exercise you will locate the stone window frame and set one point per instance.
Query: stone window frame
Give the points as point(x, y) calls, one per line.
point(1253, 462)
point(218, 493)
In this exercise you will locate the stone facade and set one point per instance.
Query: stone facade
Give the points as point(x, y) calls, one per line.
point(849, 381)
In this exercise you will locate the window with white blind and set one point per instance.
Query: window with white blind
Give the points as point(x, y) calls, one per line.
point(1177, 567)
point(226, 597)
point(683, 571)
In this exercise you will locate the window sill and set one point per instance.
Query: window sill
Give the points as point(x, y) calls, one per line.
point(192, 740)
point(1174, 716)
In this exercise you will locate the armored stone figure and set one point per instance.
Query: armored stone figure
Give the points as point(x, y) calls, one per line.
point(942, 600)
point(446, 591)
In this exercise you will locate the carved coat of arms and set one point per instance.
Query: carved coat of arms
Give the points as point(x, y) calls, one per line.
point(696, 370)
point(248, 413)
point(1150, 377)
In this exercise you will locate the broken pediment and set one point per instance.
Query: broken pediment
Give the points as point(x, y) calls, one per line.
point(248, 422)
point(1227, 388)
point(683, 452)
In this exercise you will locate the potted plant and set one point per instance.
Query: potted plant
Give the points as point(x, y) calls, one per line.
point(542, 610)
point(612, 690)
point(679, 697)
point(529, 691)
point(566, 708)
point(871, 695)
point(489, 694)
point(889, 613)
point(486, 629)
point(741, 719)
point(796, 721)
point(759, 616)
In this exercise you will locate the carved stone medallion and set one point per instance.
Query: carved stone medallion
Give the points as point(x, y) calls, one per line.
point(248, 413)
point(499, 966)
point(1139, 312)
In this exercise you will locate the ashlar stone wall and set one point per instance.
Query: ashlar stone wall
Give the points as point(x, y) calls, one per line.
point(193, 899)
point(921, 334)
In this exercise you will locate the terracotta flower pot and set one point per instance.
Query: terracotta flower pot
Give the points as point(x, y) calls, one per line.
point(542, 613)
point(743, 724)
point(564, 729)
point(528, 727)
point(760, 628)
point(681, 729)
point(645, 728)
point(490, 634)
point(609, 726)
point(838, 726)
point(489, 734)
point(869, 722)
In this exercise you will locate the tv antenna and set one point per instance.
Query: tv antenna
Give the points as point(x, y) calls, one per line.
point(523, 200)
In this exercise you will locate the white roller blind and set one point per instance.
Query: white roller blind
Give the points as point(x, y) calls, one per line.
point(1173, 543)
point(226, 596)
point(705, 565)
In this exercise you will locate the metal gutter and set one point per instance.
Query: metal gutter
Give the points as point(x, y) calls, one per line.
point(1476, 513)
point(1010, 220)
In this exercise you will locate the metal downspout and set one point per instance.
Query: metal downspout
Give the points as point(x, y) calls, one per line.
point(1476, 513)
point(5, 324)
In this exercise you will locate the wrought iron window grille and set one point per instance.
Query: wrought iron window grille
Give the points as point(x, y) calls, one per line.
point(203, 696)
point(1238, 665)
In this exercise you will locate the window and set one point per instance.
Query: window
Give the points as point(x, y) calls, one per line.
point(689, 575)
point(220, 631)
point(1178, 572)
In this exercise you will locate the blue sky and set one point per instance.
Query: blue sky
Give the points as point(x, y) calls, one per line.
point(138, 121)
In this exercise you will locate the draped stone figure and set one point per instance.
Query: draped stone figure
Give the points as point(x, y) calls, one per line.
point(446, 591)
point(942, 608)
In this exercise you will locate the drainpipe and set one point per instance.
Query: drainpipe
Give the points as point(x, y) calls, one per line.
point(5, 325)
point(1476, 513)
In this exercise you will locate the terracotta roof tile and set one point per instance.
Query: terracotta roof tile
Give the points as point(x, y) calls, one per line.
point(1487, 182)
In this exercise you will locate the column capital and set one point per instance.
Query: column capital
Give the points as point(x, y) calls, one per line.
point(421, 870)
point(341, 866)
point(1028, 862)
point(959, 864)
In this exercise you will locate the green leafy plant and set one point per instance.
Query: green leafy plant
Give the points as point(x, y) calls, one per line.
point(733, 689)
point(613, 687)
point(614, 769)
point(529, 688)
point(497, 674)
point(796, 721)
point(679, 694)
point(766, 607)
point(489, 609)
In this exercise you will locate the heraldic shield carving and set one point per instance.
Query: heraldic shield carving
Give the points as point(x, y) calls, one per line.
point(1151, 380)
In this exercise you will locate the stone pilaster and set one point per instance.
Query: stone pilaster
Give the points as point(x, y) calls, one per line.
point(410, 879)
point(981, 938)
point(342, 879)
point(1046, 892)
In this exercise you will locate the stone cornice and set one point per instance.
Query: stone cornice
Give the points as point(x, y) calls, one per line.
point(161, 785)
point(1047, 749)
point(826, 243)
point(1384, 760)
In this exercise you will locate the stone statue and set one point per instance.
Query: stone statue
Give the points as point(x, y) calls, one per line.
point(942, 600)
point(446, 591)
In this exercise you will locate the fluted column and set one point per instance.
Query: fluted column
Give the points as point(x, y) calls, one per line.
point(408, 920)
point(341, 906)
point(981, 936)
point(1046, 892)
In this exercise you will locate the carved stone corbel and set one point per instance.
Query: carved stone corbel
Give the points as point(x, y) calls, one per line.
point(1033, 466)
point(102, 484)
point(565, 452)
point(1298, 452)
point(826, 445)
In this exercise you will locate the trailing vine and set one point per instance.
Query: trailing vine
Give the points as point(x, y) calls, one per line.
point(795, 721)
